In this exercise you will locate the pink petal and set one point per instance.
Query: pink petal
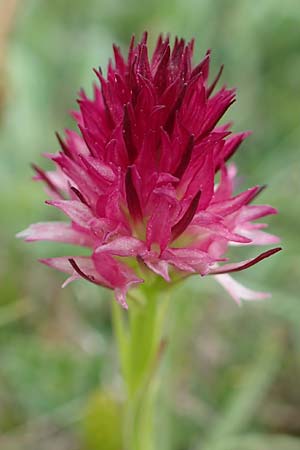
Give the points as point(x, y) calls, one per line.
point(77, 211)
point(230, 147)
point(123, 246)
point(253, 212)
point(186, 219)
point(239, 292)
point(186, 157)
point(188, 259)
point(225, 187)
point(58, 178)
point(85, 264)
point(132, 198)
point(199, 177)
point(70, 279)
point(117, 275)
point(232, 205)
point(159, 267)
point(258, 237)
point(77, 172)
point(159, 225)
point(55, 231)
point(216, 107)
point(215, 82)
point(105, 229)
point(99, 170)
point(220, 230)
point(51, 187)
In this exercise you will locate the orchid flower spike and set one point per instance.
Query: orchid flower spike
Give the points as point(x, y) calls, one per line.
point(138, 180)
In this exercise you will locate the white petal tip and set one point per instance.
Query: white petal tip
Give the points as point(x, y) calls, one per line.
point(22, 234)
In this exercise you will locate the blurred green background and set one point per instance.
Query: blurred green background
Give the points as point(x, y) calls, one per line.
point(233, 378)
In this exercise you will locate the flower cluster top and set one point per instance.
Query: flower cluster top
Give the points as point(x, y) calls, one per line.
point(138, 182)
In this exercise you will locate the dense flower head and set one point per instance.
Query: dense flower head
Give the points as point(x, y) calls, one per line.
point(138, 183)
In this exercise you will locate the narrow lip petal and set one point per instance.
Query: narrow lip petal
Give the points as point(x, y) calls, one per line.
point(121, 292)
point(160, 268)
point(242, 265)
point(239, 292)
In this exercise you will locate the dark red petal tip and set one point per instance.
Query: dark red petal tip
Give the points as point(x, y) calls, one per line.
point(43, 176)
point(214, 83)
point(127, 135)
point(237, 267)
point(79, 271)
point(63, 146)
point(133, 202)
point(79, 195)
point(184, 222)
point(185, 158)
point(259, 191)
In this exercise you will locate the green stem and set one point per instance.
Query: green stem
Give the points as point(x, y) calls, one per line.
point(140, 341)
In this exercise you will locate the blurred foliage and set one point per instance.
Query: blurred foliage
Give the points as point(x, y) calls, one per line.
point(233, 380)
point(102, 422)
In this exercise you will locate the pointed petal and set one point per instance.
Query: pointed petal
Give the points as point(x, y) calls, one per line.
point(215, 82)
point(70, 280)
point(117, 275)
point(85, 268)
point(242, 265)
point(225, 188)
point(160, 267)
point(188, 259)
point(230, 147)
point(159, 224)
point(42, 175)
point(132, 198)
point(253, 212)
point(239, 292)
point(186, 157)
point(76, 210)
point(257, 237)
point(220, 230)
point(123, 246)
point(232, 205)
point(186, 219)
point(128, 133)
point(55, 231)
